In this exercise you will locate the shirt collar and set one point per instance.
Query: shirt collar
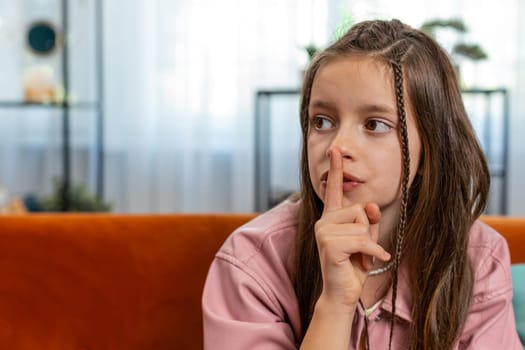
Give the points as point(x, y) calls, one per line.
point(404, 296)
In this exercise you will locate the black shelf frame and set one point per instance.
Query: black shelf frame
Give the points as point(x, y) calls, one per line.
point(262, 183)
point(262, 145)
point(66, 107)
point(495, 172)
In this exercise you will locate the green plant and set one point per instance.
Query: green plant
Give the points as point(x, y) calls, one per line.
point(471, 51)
point(80, 199)
point(340, 30)
point(311, 50)
point(455, 23)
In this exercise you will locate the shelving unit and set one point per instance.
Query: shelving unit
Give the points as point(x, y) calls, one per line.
point(488, 122)
point(494, 146)
point(95, 106)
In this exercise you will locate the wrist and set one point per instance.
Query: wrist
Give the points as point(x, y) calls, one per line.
point(334, 308)
point(330, 327)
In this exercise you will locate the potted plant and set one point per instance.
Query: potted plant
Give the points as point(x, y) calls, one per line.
point(460, 50)
point(80, 200)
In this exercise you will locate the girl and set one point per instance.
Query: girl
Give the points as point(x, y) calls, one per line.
point(381, 250)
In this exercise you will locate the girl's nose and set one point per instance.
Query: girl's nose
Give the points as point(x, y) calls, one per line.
point(344, 143)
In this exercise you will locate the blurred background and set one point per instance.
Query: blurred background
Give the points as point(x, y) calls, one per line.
point(192, 105)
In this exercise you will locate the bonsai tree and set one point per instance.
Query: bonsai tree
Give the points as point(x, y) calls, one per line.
point(470, 51)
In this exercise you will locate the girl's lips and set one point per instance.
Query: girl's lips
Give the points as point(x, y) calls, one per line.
point(350, 185)
point(347, 185)
point(350, 182)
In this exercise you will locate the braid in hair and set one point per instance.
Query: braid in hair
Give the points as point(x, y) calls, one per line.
point(398, 79)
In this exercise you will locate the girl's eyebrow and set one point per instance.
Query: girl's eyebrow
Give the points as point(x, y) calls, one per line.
point(362, 108)
point(377, 108)
point(322, 104)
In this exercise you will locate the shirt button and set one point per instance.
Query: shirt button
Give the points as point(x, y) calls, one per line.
point(377, 318)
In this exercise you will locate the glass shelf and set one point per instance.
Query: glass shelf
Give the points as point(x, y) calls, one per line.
point(75, 105)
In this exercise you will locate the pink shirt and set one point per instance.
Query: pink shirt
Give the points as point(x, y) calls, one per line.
point(249, 301)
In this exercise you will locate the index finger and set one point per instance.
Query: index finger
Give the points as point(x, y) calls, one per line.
point(333, 197)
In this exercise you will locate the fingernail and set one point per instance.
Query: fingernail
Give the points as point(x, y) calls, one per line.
point(387, 255)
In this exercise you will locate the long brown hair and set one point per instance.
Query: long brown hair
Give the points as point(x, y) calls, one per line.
point(447, 195)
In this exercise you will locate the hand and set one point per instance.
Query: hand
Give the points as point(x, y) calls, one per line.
point(346, 240)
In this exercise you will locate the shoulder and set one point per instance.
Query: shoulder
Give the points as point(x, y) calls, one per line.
point(490, 258)
point(269, 236)
point(490, 320)
point(248, 296)
point(254, 265)
point(486, 244)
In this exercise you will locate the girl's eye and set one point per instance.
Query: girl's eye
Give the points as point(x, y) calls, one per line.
point(377, 126)
point(321, 123)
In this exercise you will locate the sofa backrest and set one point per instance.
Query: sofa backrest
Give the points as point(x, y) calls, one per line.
point(513, 229)
point(106, 281)
point(119, 281)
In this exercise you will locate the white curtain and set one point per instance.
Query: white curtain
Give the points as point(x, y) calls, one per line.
point(181, 107)
point(180, 90)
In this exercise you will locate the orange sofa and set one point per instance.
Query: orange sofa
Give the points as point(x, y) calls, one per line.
point(84, 281)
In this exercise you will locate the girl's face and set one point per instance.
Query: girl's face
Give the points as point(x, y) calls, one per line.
point(352, 109)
